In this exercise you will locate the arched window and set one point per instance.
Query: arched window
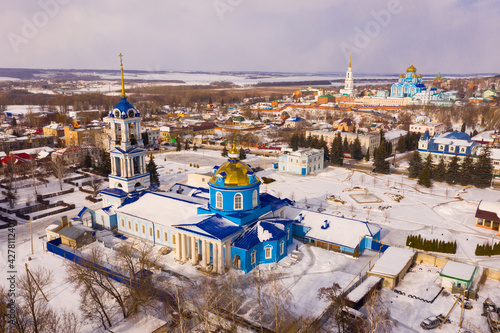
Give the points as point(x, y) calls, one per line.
point(218, 200)
point(238, 201)
point(117, 114)
point(131, 113)
point(254, 198)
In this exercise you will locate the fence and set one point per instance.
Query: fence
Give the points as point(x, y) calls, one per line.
point(53, 246)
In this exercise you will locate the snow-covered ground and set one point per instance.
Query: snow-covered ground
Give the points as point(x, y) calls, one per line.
point(444, 212)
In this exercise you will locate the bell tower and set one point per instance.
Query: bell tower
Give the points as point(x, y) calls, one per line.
point(128, 165)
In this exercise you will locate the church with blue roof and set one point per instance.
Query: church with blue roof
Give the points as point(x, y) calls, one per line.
point(409, 84)
point(229, 225)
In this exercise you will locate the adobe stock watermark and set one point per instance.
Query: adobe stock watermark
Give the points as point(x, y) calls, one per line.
point(363, 37)
point(222, 7)
point(31, 27)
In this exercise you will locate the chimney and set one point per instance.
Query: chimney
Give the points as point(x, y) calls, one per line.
point(301, 218)
point(325, 225)
point(64, 221)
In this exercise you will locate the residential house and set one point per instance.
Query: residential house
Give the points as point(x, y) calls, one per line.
point(302, 162)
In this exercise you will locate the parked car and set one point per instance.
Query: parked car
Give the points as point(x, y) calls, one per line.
point(433, 322)
point(493, 319)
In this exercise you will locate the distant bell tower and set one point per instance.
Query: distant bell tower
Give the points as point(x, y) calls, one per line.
point(349, 82)
point(128, 165)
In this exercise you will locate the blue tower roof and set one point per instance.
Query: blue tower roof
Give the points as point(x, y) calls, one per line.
point(124, 106)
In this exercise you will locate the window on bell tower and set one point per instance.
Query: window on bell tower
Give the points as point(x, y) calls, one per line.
point(254, 198)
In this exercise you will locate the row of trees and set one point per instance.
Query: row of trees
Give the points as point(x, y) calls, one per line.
point(488, 250)
point(455, 172)
point(408, 142)
point(434, 245)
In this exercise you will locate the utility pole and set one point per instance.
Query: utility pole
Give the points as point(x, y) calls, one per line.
point(31, 237)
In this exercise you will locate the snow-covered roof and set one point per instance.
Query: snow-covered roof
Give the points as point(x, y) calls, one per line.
point(494, 153)
point(488, 210)
point(394, 134)
point(306, 152)
point(342, 231)
point(211, 225)
point(484, 136)
point(364, 288)
point(458, 270)
point(393, 261)
point(450, 139)
point(178, 206)
point(262, 231)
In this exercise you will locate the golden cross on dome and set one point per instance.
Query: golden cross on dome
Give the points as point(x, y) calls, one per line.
point(123, 82)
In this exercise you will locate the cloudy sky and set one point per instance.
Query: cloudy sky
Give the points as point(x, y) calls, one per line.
point(385, 36)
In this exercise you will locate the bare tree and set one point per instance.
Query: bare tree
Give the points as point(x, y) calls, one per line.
point(93, 303)
point(277, 301)
point(334, 295)
point(59, 169)
point(32, 164)
point(95, 184)
point(136, 262)
point(33, 293)
point(378, 315)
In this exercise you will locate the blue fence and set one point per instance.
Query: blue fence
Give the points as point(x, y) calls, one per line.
point(53, 246)
point(378, 246)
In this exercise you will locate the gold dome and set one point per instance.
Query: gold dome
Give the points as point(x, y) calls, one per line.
point(236, 174)
point(419, 76)
point(401, 75)
point(411, 69)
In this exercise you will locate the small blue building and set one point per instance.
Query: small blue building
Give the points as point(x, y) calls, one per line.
point(446, 146)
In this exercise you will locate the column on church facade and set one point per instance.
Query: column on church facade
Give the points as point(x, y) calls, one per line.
point(194, 255)
point(184, 247)
point(228, 254)
point(178, 246)
point(113, 165)
point(204, 253)
point(220, 264)
point(122, 167)
point(208, 253)
point(215, 256)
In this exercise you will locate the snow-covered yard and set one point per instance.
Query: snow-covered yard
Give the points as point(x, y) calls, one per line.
point(444, 212)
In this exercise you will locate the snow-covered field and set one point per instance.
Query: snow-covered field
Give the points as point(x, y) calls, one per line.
point(444, 212)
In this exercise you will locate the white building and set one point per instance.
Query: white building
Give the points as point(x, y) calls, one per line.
point(302, 162)
point(349, 82)
point(433, 128)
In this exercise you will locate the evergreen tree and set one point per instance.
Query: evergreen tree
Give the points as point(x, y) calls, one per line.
point(224, 152)
point(294, 142)
point(178, 145)
point(194, 147)
point(440, 171)
point(326, 152)
point(401, 147)
point(345, 146)
point(453, 171)
point(314, 143)
point(380, 164)
point(463, 128)
point(429, 165)
point(356, 150)
point(186, 144)
point(466, 171)
point(104, 165)
point(484, 169)
point(87, 162)
point(308, 141)
point(243, 155)
point(425, 177)
point(336, 156)
point(154, 177)
point(367, 156)
point(415, 165)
